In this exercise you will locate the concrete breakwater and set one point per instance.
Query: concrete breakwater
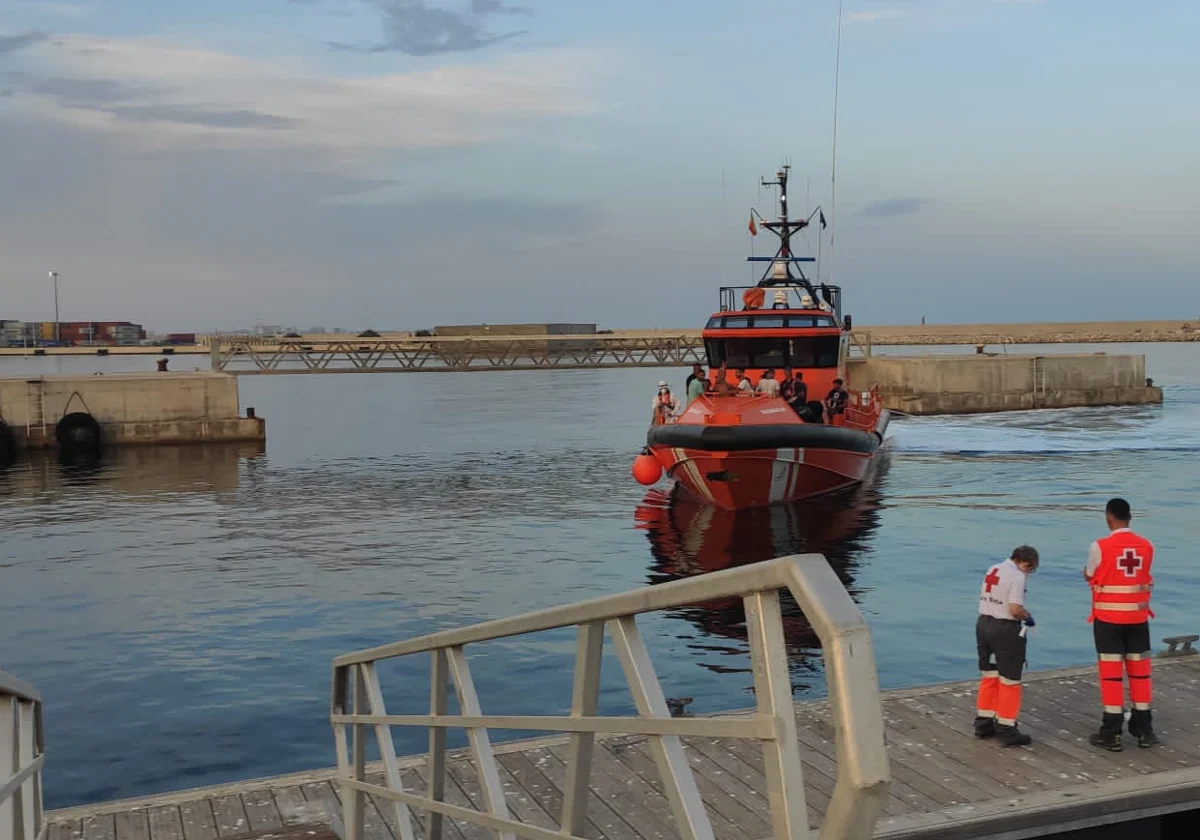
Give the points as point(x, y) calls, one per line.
point(978, 383)
point(1061, 332)
point(122, 409)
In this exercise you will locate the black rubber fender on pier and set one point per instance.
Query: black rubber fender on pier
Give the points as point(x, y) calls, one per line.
point(8, 446)
point(78, 433)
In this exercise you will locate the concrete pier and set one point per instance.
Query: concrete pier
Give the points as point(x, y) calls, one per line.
point(985, 383)
point(130, 408)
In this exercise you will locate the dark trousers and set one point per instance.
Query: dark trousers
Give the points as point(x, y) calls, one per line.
point(1000, 640)
point(1124, 651)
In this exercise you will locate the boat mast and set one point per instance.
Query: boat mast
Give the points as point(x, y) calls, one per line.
point(837, 72)
point(779, 270)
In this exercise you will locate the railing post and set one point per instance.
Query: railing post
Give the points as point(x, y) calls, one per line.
point(351, 757)
point(10, 763)
point(436, 767)
point(481, 744)
point(387, 748)
point(589, 650)
point(357, 801)
point(679, 785)
point(773, 693)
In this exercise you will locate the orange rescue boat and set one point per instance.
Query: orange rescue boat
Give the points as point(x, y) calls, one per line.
point(741, 444)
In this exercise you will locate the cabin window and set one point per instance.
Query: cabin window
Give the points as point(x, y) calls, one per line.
point(810, 321)
point(713, 324)
point(804, 352)
point(768, 322)
point(737, 322)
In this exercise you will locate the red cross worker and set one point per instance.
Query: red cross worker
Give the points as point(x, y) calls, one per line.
point(1000, 640)
point(1118, 570)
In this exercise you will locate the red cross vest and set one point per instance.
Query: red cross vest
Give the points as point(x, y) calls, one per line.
point(1122, 582)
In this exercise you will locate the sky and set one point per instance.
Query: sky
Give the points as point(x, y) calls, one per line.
point(399, 164)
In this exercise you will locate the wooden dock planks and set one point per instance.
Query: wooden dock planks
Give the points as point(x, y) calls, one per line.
point(945, 782)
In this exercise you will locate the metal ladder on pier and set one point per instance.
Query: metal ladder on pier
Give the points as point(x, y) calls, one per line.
point(35, 411)
point(1038, 376)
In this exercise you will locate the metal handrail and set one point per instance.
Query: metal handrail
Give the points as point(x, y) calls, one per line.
point(862, 767)
point(21, 760)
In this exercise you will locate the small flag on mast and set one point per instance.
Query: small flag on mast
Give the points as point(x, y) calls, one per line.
point(823, 225)
point(753, 227)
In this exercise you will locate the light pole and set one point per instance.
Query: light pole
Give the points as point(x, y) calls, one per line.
point(57, 334)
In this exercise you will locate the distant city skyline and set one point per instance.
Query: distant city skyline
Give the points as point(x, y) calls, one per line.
point(396, 164)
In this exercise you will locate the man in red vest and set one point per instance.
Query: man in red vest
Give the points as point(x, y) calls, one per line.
point(1118, 570)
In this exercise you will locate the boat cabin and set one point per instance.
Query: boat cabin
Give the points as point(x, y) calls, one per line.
point(796, 331)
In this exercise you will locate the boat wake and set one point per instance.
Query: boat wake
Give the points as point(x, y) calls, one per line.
point(1080, 431)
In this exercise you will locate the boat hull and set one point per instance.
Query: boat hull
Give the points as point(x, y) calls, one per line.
point(750, 478)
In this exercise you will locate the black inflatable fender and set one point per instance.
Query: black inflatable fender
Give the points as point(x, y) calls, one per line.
point(78, 432)
point(742, 438)
point(8, 446)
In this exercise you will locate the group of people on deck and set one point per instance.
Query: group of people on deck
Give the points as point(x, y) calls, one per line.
point(791, 388)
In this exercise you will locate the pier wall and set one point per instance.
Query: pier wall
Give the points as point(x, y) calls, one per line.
point(984, 383)
point(131, 408)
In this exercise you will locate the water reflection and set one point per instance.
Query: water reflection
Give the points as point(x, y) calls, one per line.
point(689, 537)
point(132, 473)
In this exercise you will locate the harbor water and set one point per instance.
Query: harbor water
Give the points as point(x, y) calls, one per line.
point(178, 608)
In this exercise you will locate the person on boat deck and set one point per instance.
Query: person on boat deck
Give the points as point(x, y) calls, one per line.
point(785, 385)
point(744, 384)
point(767, 385)
point(1000, 642)
point(720, 385)
point(695, 383)
point(665, 404)
point(799, 389)
point(835, 400)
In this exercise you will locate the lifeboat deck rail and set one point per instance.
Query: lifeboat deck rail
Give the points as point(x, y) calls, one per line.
point(862, 772)
point(21, 760)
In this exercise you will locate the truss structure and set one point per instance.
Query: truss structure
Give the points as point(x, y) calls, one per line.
point(410, 355)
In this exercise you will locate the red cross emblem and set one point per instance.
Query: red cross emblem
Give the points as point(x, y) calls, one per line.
point(991, 580)
point(1130, 562)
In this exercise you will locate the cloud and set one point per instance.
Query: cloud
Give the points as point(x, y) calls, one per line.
point(161, 93)
point(415, 28)
point(496, 7)
point(890, 207)
point(13, 43)
point(873, 16)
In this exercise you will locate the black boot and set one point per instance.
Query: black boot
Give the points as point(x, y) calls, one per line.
point(1140, 727)
point(985, 727)
point(1108, 740)
point(1010, 736)
point(1109, 734)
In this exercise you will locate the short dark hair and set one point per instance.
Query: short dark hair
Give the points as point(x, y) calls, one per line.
point(1119, 509)
point(1028, 554)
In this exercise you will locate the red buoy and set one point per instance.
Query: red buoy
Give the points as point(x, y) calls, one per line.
point(646, 469)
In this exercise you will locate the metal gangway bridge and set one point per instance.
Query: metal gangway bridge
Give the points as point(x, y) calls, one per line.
point(248, 355)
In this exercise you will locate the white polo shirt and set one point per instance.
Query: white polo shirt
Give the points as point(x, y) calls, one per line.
point(1003, 584)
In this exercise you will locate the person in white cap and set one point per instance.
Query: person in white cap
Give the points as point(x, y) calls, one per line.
point(665, 405)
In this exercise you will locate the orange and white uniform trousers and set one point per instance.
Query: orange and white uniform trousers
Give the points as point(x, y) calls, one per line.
point(1001, 647)
point(1124, 653)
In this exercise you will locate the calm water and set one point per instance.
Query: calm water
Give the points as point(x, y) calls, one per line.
point(178, 608)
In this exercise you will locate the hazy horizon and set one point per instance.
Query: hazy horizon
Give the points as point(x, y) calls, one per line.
point(398, 164)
